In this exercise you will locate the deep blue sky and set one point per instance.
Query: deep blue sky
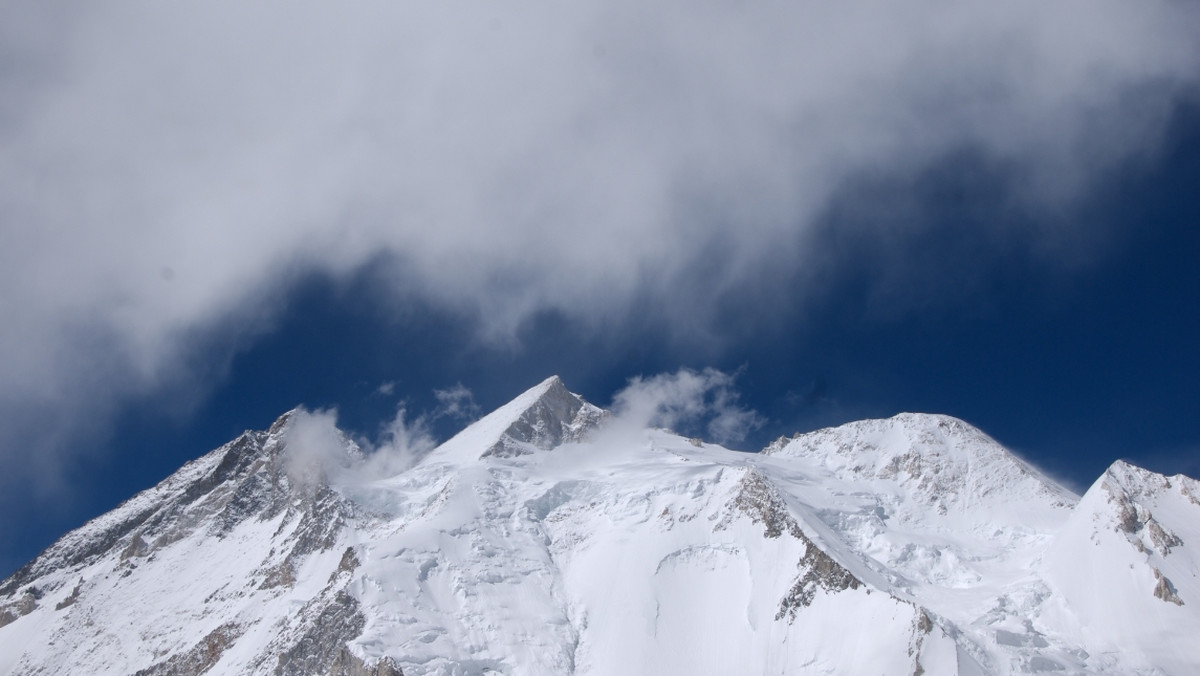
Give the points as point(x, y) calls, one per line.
point(1073, 367)
point(210, 214)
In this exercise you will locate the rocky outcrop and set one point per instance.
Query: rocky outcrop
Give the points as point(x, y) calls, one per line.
point(71, 598)
point(1165, 590)
point(199, 658)
point(348, 664)
point(24, 605)
point(328, 623)
point(818, 572)
point(1137, 523)
point(759, 500)
point(326, 637)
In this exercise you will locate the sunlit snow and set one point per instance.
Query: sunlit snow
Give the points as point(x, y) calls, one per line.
point(551, 538)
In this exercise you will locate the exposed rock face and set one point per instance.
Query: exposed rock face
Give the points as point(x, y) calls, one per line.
point(1165, 590)
point(136, 547)
point(1138, 523)
point(818, 571)
point(761, 501)
point(71, 598)
point(24, 605)
point(201, 657)
point(348, 564)
point(318, 648)
point(327, 624)
point(348, 664)
point(923, 627)
point(557, 417)
point(282, 574)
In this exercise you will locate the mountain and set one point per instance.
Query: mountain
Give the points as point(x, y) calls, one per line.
point(545, 539)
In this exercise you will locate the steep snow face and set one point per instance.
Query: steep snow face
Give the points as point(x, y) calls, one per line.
point(603, 558)
point(541, 540)
point(1127, 565)
point(944, 515)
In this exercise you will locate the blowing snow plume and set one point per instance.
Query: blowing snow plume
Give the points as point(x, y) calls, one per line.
point(173, 166)
point(317, 451)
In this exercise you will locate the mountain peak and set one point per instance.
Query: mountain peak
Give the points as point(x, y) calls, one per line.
point(937, 460)
point(913, 544)
point(553, 416)
point(1146, 525)
point(1137, 480)
point(540, 418)
point(881, 440)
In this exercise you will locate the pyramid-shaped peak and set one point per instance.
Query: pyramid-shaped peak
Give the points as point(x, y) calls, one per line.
point(540, 418)
point(551, 388)
point(549, 415)
point(551, 393)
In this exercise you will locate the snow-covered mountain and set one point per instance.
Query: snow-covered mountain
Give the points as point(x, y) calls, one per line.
point(546, 539)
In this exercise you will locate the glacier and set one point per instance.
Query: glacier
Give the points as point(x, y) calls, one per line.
point(547, 538)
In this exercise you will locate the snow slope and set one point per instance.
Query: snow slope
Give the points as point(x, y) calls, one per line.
point(543, 540)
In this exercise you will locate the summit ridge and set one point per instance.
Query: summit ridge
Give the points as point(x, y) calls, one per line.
point(534, 542)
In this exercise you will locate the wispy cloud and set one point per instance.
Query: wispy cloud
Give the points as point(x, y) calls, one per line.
point(316, 451)
point(456, 403)
point(692, 399)
point(170, 167)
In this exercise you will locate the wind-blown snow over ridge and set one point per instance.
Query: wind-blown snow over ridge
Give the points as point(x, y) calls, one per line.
point(542, 540)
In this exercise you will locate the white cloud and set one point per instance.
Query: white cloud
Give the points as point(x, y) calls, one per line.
point(401, 445)
point(171, 166)
point(686, 397)
point(456, 402)
point(316, 451)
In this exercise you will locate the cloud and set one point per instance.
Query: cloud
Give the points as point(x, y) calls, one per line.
point(457, 403)
point(401, 445)
point(170, 168)
point(317, 451)
point(685, 399)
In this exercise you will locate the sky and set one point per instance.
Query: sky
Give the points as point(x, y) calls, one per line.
point(211, 213)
